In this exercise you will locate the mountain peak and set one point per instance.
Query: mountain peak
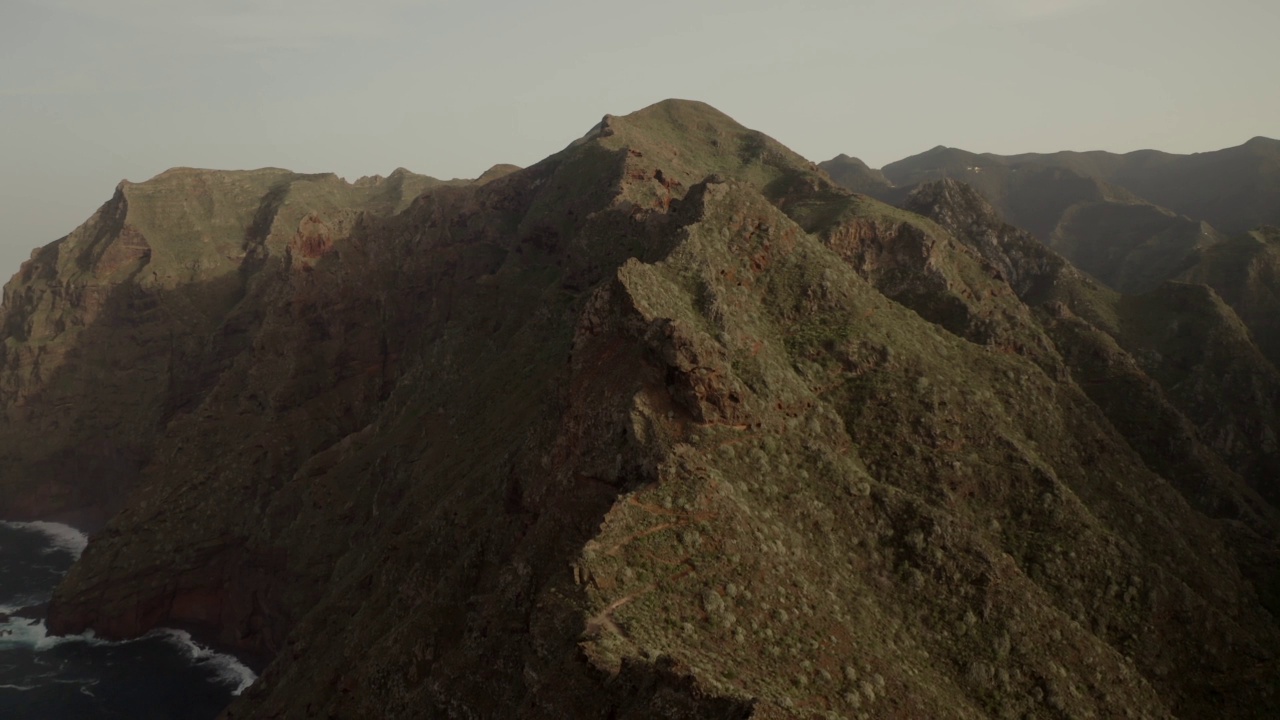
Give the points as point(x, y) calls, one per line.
point(666, 148)
point(938, 161)
point(677, 107)
point(497, 171)
point(1262, 144)
point(948, 195)
point(849, 160)
point(398, 175)
point(674, 115)
point(854, 174)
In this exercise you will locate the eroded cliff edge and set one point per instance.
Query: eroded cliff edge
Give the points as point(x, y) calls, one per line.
point(670, 425)
point(112, 331)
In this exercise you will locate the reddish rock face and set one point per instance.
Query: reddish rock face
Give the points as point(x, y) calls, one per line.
point(313, 240)
point(129, 250)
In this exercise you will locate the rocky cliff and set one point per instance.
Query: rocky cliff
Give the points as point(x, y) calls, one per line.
point(116, 329)
point(667, 425)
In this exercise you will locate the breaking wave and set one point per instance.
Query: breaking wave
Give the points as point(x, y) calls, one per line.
point(33, 634)
point(165, 673)
point(229, 669)
point(62, 537)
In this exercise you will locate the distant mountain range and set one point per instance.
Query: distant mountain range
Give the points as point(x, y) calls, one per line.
point(1133, 220)
point(675, 423)
point(1235, 190)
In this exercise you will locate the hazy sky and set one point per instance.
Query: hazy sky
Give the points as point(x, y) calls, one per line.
point(95, 91)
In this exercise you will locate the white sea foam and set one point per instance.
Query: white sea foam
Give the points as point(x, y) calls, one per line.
point(35, 635)
point(229, 669)
point(63, 537)
point(21, 632)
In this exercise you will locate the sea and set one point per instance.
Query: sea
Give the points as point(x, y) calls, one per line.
point(165, 675)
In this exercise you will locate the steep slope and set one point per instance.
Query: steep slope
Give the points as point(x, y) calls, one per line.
point(669, 425)
point(1097, 209)
point(1174, 370)
point(1132, 247)
point(1107, 212)
point(1245, 272)
point(113, 329)
point(1104, 229)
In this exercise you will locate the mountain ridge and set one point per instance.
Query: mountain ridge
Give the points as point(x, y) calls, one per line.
point(1163, 179)
point(1132, 220)
point(670, 424)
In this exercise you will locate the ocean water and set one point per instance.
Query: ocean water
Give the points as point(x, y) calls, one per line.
point(163, 676)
